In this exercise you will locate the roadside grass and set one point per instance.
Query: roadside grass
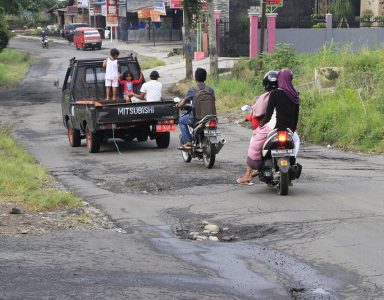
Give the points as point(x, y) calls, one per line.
point(13, 67)
point(150, 62)
point(349, 116)
point(22, 180)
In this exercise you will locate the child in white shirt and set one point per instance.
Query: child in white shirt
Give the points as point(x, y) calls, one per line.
point(111, 74)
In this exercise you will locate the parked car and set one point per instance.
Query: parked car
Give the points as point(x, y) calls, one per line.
point(87, 37)
point(69, 30)
point(86, 115)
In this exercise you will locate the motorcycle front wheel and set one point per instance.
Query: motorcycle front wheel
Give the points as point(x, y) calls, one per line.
point(209, 153)
point(186, 155)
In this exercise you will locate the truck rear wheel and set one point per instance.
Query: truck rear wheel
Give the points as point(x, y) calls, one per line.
point(93, 141)
point(163, 139)
point(74, 136)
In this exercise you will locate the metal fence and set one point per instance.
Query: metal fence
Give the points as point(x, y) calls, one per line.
point(233, 39)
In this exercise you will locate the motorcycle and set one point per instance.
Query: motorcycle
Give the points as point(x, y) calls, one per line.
point(205, 140)
point(279, 167)
point(44, 43)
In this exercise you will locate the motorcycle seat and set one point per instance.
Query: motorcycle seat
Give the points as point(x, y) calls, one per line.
point(204, 120)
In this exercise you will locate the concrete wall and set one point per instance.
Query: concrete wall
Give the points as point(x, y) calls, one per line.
point(312, 40)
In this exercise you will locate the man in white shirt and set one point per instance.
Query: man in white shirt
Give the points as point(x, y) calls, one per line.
point(150, 91)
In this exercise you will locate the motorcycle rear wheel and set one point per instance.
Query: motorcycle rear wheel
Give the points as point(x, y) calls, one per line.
point(209, 154)
point(283, 186)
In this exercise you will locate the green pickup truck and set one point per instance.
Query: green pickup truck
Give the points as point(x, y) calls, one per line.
point(87, 115)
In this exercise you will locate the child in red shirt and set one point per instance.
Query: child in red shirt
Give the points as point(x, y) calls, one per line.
point(127, 82)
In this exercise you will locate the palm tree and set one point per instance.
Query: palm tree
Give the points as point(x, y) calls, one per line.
point(341, 9)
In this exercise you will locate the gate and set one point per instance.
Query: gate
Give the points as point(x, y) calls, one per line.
point(234, 38)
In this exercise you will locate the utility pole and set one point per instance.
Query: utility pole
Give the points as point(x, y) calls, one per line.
point(262, 34)
point(213, 60)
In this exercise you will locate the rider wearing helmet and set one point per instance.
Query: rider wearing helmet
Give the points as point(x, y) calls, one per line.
point(43, 35)
point(260, 107)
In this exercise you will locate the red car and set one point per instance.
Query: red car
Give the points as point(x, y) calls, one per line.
point(87, 37)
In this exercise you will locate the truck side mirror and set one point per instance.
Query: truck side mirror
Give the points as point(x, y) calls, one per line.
point(56, 83)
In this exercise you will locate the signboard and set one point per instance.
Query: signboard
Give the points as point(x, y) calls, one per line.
point(112, 13)
point(275, 3)
point(159, 7)
point(82, 3)
point(176, 4)
point(72, 10)
point(144, 13)
point(135, 5)
point(155, 16)
point(97, 11)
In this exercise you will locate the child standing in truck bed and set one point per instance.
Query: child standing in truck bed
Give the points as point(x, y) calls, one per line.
point(111, 74)
point(127, 81)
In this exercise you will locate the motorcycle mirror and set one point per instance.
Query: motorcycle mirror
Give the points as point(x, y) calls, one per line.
point(56, 83)
point(246, 108)
point(176, 100)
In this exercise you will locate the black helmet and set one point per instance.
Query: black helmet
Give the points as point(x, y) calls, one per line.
point(270, 80)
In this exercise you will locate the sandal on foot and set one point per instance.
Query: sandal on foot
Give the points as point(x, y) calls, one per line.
point(244, 182)
point(255, 173)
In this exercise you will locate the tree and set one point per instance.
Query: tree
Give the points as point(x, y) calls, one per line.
point(191, 9)
point(341, 9)
point(4, 33)
point(212, 41)
point(17, 7)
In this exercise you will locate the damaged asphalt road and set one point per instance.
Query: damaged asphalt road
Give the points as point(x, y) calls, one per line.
point(322, 241)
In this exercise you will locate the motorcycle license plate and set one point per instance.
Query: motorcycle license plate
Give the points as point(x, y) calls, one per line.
point(165, 128)
point(281, 153)
point(211, 132)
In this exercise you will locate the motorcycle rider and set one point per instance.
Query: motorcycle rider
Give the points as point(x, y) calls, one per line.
point(43, 36)
point(260, 107)
point(282, 112)
point(189, 119)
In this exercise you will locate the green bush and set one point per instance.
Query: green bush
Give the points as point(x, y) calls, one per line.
point(4, 33)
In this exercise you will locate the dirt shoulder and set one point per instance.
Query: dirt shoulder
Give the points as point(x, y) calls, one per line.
point(17, 220)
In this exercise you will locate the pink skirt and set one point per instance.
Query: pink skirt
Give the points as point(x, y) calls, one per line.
point(258, 139)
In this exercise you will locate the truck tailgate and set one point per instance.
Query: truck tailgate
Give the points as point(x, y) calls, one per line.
point(136, 112)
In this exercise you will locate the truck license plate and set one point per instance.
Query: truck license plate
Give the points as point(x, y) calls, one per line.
point(165, 128)
point(281, 153)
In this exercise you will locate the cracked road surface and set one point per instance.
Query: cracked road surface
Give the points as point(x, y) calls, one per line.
point(322, 241)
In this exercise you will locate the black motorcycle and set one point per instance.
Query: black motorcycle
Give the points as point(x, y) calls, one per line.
point(279, 165)
point(205, 141)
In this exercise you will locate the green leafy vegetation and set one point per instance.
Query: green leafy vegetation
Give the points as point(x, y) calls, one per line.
point(13, 67)
point(4, 32)
point(150, 62)
point(22, 180)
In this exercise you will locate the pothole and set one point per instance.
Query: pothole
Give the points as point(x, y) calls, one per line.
point(198, 227)
point(226, 233)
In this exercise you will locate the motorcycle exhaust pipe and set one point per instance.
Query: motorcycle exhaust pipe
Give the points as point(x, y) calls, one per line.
point(220, 145)
point(296, 170)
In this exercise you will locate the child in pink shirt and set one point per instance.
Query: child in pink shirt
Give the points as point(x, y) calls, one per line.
point(127, 82)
